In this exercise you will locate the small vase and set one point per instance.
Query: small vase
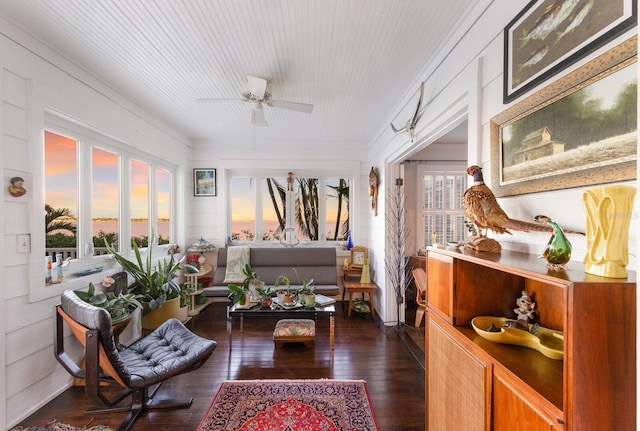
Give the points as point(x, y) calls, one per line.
point(608, 211)
point(366, 276)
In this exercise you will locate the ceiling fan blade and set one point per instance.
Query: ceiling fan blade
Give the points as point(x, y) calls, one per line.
point(257, 86)
point(257, 118)
point(292, 106)
point(213, 100)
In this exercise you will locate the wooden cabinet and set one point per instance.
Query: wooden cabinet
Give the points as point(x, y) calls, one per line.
point(476, 384)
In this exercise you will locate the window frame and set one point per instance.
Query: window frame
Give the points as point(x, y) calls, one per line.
point(88, 138)
point(455, 169)
point(259, 175)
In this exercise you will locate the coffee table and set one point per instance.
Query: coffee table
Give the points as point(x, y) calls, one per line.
point(296, 313)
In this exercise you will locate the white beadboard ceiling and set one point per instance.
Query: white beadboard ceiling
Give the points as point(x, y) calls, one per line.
point(355, 60)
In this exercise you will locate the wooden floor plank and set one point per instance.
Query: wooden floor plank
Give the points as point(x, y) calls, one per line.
point(392, 364)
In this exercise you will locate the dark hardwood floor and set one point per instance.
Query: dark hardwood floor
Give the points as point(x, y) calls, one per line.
point(390, 361)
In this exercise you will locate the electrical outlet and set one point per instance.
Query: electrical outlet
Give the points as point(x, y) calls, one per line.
point(24, 243)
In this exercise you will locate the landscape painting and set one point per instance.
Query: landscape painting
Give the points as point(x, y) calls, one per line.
point(587, 135)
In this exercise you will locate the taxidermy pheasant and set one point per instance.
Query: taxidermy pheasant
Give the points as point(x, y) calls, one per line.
point(482, 208)
point(558, 250)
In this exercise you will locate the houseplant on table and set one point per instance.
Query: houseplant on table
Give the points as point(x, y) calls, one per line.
point(154, 286)
point(306, 295)
point(240, 294)
point(288, 297)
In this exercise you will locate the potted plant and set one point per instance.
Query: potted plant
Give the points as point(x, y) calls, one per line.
point(153, 285)
point(265, 294)
point(248, 287)
point(252, 279)
point(307, 297)
point(288, 297)
point(119, 306)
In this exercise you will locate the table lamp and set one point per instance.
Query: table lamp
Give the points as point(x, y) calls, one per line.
point(201, 246)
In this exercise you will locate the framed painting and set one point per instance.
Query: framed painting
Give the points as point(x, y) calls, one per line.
point(579, 131)
point(204, 182)
point(548, 36)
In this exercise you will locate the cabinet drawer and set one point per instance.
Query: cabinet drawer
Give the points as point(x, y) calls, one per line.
point(440, 284)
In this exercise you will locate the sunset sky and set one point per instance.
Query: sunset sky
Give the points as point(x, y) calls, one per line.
point(61, 181)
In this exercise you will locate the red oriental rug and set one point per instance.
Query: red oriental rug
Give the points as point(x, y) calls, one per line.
point(290, 405)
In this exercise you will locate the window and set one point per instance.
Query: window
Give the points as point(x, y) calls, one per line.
point(123, 186)
point(286, 209)
point(442, 212)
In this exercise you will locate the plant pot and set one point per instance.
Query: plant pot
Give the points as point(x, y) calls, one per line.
point(247, 301)
point(289, 298)
point(155, 318)
point(183, 313)
point(265, 302)
point(253, 288)
point(308, 300)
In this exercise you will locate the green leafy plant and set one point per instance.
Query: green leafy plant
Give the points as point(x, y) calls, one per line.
point(265, 292)
point(154, 285)
point(119, 306)
point(239, 292)
point(285, 280)
point(307, 287)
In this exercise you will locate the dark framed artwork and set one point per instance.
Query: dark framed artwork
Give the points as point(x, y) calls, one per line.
point(579, 131)
point(204, 182)
point(548, 36)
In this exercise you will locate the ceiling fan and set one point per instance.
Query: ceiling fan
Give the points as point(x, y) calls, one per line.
point(255, 92)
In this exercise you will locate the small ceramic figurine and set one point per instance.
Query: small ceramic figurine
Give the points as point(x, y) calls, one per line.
point(525, 311)
point(290, 181)
point(558, 250)
point(373, 190)
point(16, 189)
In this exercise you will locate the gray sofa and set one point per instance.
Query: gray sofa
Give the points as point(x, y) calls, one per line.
point(318, 263)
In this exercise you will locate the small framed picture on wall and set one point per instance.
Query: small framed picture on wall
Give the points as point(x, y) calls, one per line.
point(204, 182)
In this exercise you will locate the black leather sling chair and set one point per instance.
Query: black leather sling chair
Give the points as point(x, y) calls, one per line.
point(170, 350)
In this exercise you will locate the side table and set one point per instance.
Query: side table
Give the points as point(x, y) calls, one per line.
point(192, 279)
point(352, 286)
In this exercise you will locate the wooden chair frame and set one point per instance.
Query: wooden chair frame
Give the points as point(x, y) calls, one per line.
point(98, 369)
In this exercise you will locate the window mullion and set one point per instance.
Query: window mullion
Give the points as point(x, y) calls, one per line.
point(84, 225)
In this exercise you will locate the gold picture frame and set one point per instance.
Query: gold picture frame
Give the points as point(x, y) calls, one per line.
point(358, 256)
point(551, 140)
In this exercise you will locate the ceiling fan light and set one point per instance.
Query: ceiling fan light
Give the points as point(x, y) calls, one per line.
point(256, 105)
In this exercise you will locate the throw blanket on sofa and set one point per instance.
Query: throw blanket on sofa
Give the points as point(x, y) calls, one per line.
point(237, 259)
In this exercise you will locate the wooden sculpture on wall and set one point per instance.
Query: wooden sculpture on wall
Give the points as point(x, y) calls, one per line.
point(373, 190)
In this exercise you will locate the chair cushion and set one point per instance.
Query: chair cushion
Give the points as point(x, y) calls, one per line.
point(167, 351)
point(294, 328)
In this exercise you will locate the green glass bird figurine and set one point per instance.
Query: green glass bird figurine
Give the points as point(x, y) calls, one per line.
point(558, 250)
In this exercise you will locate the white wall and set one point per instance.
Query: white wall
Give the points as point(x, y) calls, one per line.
point(29, 373)
point(467, 82)
point(463, 83)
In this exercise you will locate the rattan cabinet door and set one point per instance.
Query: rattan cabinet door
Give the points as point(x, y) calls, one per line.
point(458, 397)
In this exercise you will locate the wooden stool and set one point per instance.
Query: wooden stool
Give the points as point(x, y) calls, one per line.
point(294, 330)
